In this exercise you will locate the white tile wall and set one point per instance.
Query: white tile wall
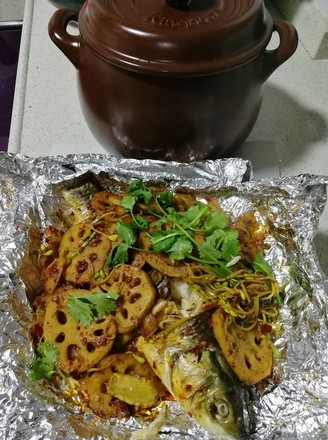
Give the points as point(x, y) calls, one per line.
point(321, 4)
point(11, 10)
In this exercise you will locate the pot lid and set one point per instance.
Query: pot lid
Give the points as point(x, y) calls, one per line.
point(176, 36)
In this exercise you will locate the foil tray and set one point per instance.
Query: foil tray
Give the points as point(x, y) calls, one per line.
point(295, 408)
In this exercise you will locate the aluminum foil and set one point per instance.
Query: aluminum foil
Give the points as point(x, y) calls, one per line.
point(294, 408)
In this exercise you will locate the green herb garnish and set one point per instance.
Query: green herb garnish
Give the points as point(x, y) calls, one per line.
point(43, 366)
point(127, 232)
point(177, 238)
point(87, 308)
point(139, 191)
point(219, 248)
point(165, 198)
point(118, 255)
point(261, 265)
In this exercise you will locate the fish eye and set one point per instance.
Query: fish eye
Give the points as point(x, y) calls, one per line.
point(220, 409)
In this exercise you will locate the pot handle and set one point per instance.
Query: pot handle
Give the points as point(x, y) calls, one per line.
point(288, 43)
point(57, 29)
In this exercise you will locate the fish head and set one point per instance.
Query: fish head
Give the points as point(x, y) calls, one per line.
point(218, 404)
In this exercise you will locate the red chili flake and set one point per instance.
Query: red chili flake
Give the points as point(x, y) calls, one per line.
point(53, 271)
point(265, 328)
point(53, 230)
point(169, 397)
point(101, 341)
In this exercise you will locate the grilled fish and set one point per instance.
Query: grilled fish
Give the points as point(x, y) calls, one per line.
point(190, 364)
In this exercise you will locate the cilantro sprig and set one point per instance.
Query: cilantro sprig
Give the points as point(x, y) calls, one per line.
point(178, 239)
point(196, 234)
point(120, 253)
point(43, 365)
point(137, 192)
point(219, 248)
point(86, 308)
point(261, 265)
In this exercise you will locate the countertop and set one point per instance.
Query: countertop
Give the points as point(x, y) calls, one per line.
point(290, 136)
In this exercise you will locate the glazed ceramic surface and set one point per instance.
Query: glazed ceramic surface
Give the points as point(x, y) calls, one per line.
point(172, 80)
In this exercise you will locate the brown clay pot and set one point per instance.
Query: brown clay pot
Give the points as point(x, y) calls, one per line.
point(172, 80)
